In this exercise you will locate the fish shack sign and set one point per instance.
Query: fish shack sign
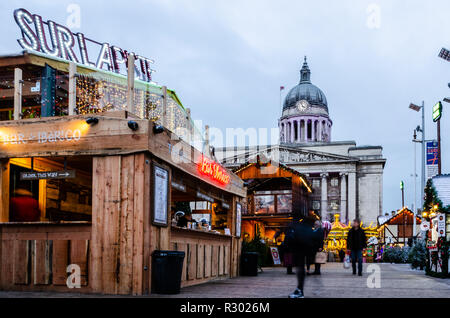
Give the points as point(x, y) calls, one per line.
point(56, 40)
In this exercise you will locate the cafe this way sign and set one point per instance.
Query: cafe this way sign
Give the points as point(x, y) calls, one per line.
point(56, 40)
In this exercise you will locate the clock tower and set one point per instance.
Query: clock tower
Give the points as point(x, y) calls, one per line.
point(305, 117)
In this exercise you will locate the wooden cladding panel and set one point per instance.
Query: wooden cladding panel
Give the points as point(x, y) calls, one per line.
point(60, 262)
point(208, 259)
point(200, 261)
point(79, 255)
point(182, 247)
point(192, 261)
point(215, 261)
point(21, 256)
point(121, 187)
point(42, 257)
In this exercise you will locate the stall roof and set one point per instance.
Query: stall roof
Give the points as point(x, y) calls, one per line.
point(273, 171)
point(111, 135)
point(397, 219)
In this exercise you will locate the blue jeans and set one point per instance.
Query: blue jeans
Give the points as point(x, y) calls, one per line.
point(356, 255)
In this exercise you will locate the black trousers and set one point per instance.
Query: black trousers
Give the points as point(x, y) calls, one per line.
point(300, 262)
point(311, 260)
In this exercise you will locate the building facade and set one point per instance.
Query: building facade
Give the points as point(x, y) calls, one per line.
point(346, 179)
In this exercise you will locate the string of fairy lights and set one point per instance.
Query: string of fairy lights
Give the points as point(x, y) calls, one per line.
point(96, 93)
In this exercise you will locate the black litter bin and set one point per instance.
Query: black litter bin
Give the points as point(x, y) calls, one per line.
point(249, 264)
point(167, 267)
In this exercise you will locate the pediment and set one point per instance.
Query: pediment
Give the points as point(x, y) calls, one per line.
point(287, 155)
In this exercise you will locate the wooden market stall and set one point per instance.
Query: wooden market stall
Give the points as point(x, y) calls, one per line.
point(276, 195)
point(95, 191)
point(398, 229)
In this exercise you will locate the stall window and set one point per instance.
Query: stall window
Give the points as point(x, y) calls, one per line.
point(24, 202)
point(264, 204)
point(36, 195)
point(284, 203)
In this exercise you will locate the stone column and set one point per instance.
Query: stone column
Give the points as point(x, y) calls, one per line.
point(344, 215)
point(285, 131)
point(305, 128)
point(352, 196)
point(324, 195)
point(292, 132)
point(299, 130)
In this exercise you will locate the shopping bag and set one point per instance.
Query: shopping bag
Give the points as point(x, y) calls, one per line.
point(321, 258)
point(347, 262)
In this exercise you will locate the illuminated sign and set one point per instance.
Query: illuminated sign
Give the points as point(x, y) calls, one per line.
point(437, 112)
point(213, 170)
point(41, 137)
point(58, 41)
point(67, 133)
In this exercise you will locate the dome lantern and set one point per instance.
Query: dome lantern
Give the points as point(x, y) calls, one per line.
point(305, 73)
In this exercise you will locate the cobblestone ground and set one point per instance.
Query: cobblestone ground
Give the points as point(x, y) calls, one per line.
point(335, 282)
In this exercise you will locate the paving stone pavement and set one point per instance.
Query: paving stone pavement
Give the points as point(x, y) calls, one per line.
point(397, 281)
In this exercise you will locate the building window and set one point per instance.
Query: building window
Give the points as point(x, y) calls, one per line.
point(334, 205)
point(334, 182)
point(316, 205)
point(316, 183)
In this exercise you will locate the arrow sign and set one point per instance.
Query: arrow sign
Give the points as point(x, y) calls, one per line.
point(46, 175)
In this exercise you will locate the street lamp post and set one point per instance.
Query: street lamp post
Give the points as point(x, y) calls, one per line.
point(415, 183)
point(437, 114)
point(422, 130)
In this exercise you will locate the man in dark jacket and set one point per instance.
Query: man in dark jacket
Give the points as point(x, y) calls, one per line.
point(303, 240)
point(356, 242)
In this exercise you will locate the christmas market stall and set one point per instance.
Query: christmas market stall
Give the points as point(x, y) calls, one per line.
point(436, 225)
point(336, 241)
point(398, 229)
point(99, 169)
point(276, 195)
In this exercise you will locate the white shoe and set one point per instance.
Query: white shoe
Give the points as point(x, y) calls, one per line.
point(297, 294)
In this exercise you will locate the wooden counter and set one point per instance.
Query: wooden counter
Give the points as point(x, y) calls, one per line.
point(35, 256)
point(209, 256)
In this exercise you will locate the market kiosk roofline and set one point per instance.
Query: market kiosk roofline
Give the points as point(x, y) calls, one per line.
point(72, 136)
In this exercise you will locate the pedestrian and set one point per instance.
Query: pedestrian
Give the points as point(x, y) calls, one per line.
point(318, 247)
point(342, 255)
point(287, 257)
point(24, 208)
point(303, 240)
point(356, 242)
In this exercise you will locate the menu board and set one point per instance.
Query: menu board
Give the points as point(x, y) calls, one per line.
point(238, 219)
point(160, 196)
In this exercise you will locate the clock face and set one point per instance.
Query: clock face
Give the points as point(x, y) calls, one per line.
point(302, 105)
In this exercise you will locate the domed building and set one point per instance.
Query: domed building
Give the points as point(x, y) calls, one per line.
point(305, 117)
point(346, 179)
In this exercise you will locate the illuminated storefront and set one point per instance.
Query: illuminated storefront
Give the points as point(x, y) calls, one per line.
point(96, 169)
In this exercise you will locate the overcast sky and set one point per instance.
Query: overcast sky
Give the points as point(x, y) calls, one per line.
point(227, 59)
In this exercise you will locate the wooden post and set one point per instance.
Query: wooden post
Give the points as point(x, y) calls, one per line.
point(4, 191)
point(17, 93)
point(164, 110)
point(130, 95)
point(72, 88)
